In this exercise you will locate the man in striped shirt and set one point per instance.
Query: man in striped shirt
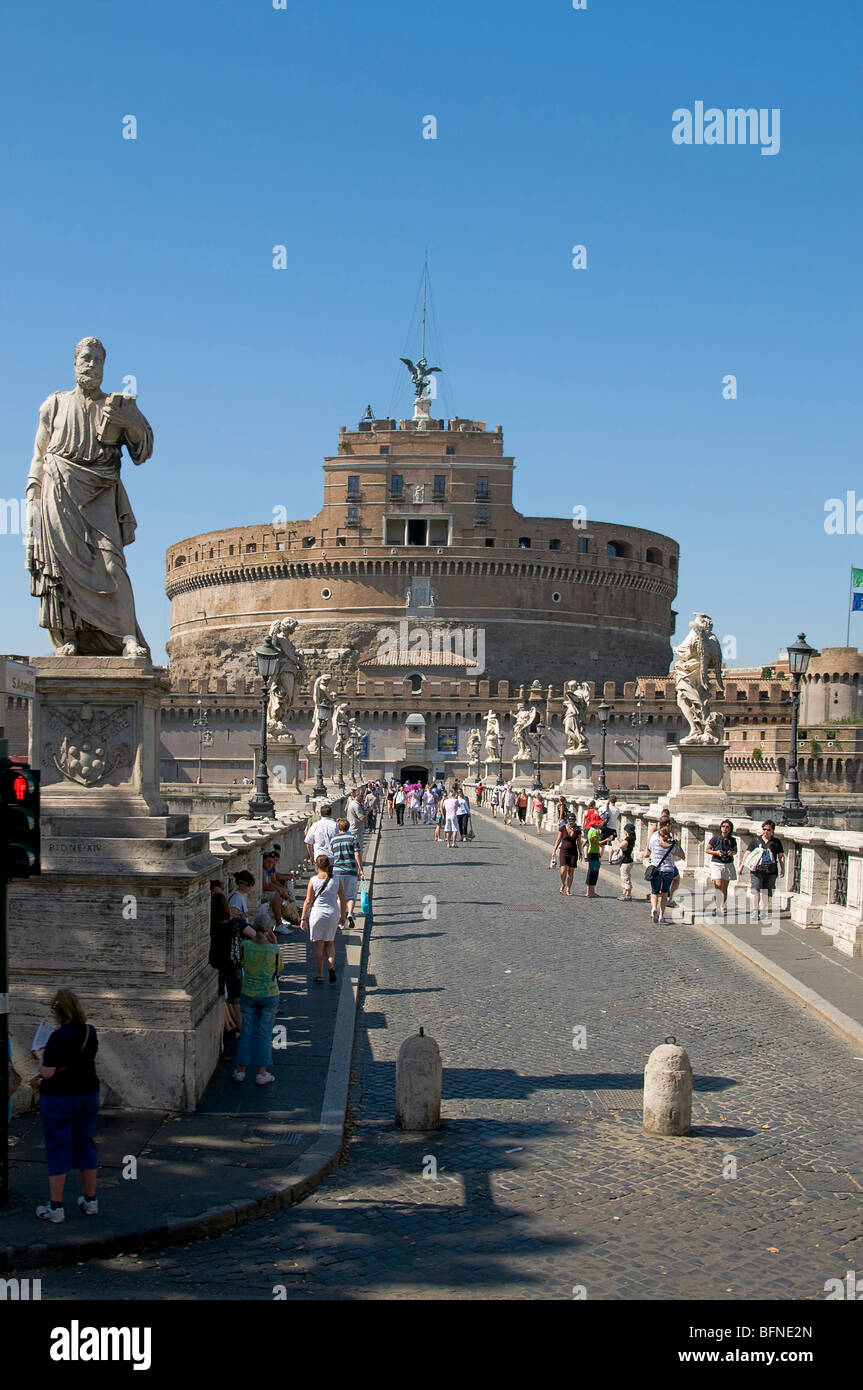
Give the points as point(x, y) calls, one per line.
point(347, 865)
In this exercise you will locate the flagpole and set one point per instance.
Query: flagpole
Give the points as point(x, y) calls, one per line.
point(850, 601)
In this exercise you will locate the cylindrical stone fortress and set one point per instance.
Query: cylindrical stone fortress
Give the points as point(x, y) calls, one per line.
point(418, 535)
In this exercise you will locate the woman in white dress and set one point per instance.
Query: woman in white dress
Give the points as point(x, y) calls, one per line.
point(324, 911)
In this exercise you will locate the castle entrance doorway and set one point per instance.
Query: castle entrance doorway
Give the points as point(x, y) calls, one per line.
point(414, 774)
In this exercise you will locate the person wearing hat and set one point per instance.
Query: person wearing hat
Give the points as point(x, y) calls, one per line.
point(622, 855)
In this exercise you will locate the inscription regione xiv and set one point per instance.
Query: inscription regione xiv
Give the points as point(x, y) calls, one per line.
point(86, 745)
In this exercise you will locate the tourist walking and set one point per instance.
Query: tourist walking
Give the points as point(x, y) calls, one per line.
point(355, 813)
point(400, 801)
point(391, 800)
point(593, 855)
point(347, 867)
point(521, 804)
point(662, 850)
point(765, 860)
point(451, 827)
point(509, 800)
point(610, 817)
point(591, 818)
point(721, 850)
point(429, 805)
point(538, 812)
point(494, 801)
point(320, 835)
point(623, 855)
point(567, 847)
point(69, 1105)
point(324, 911)
point(370, 806)
point(463, 812)
point(260, 1001)
point(415, 805)
point(438, 819)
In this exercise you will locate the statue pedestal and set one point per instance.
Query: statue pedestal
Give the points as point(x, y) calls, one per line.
point(120, 912)
point(696, 779)
point(490, 777)
point(282, 764)
point(576, 771)
point(95, 733)
point(522, 772)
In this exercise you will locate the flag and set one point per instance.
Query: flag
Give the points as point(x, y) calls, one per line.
point(857, 604)
point(856, 579)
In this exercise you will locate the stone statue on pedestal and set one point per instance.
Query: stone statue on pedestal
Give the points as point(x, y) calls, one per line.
point(341, 725)
point(694, 660)
point(492, 737)
point(576, 698)
point(323, 713)
point(79, 519)
point(291, 669)
point(473, 745)
point(526, 717)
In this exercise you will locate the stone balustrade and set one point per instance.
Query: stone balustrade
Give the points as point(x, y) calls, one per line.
point(823, 879)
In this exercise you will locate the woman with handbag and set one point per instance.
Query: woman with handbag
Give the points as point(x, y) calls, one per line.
point(765, 860)
point(69, 1103)
point(324, 911)
point(661, 871)
point(722, 849)
point(567, 842)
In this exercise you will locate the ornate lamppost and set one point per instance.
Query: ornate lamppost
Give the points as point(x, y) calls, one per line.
point(341, 779)
point(793, 811)
point(603, 710)
point(202, 724)
point(537, 777)
point(637, 720)
point(268, 657)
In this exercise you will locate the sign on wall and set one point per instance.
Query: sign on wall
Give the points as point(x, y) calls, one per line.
point(447, 739)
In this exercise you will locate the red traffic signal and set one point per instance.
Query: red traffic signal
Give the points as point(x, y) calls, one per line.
point(19, 821)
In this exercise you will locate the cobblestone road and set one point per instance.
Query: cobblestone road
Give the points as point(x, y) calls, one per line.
point(544, 1178)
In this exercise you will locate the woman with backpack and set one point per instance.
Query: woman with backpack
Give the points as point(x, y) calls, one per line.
point(324, 911)
point(69, 1103)
point(765, 860)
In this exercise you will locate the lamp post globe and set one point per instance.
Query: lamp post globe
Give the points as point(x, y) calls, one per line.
point(793, 811)
point(267, 657)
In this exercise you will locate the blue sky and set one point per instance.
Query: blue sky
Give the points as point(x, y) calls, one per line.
point(303, 127)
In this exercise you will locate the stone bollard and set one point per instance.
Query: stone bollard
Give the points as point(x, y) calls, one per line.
point(668, 1090)
point(419, 1078)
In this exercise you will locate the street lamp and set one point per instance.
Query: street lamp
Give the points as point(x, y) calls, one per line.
point(537, 776)
point(268, 658)
point(792, 811)
point(202, 724)
point(341, 782)
point(603, 710)
point(637, 720)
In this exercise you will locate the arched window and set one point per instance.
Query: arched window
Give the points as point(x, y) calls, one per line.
point(524, 542)
point(616, 550)
point(654, 557)
point(178, 561)
point(416, 681)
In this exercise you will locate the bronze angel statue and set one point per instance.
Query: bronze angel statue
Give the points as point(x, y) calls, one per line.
point(420, 374)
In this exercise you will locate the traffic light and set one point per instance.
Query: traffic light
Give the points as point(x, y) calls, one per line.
point(19, 820)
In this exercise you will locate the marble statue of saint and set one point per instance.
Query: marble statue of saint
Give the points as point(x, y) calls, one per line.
point(576, 698)
point(341, 726)
point(291, 669)
point(79, 519)
point(526, 717)
point(695, 658)
point(492, 737)
point(323, 702)
point(473, 745)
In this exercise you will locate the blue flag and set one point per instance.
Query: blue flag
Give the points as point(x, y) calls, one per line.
point(857, 603)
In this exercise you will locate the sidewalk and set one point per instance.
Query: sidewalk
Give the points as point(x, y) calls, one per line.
point(801, 962)
point(166, 1179)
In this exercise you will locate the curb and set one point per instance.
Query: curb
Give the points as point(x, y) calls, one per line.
point(815, 1003)
point(312, 1166)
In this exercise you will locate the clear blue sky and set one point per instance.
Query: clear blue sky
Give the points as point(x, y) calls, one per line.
point(304, 127)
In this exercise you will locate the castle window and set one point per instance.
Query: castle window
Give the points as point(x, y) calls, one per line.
point(524, 542)
point(416, 681)
point(489, 540)
point(211, 553)
point(440, 485)
point(555, 598)
point(230, 550)
point(481, 516)
point(394, 531)
point(326, 593)
point(584, 545)
point(450, 448)
point(385, 448)
point(181, 560)
point(353, 485)
point(417, 530)
point(654, 557)
point(438, 530)
point(308, 542)
point(397, 485)
point(341, 540)
point(615, 550)
point(554, 545)
point(482, 486)
point(353, 516)
point(251, 548)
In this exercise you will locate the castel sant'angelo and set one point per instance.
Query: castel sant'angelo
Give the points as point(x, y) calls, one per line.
point(431, 600)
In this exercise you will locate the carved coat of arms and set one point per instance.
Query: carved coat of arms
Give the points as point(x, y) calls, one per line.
point(89, 750)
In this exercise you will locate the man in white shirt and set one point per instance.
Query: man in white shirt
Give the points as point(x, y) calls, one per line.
point(319, 839)
point(450, 810)
point(509, 799)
